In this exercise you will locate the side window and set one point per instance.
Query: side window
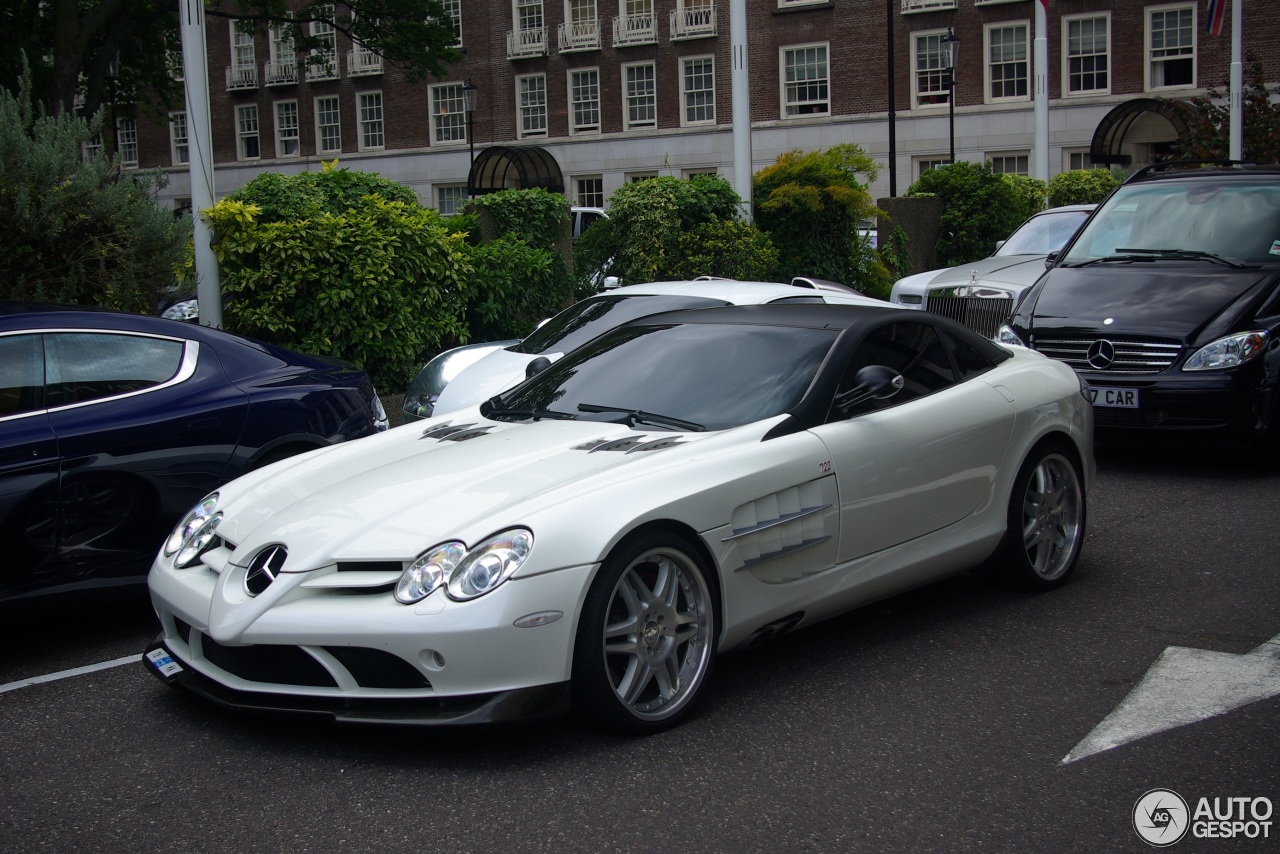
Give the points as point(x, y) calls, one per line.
point(968, 360)
point(83, 366)
point(21, 375)
point(913, 350)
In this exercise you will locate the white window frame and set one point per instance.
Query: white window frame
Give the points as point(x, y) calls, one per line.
point(1070, 154)
point(990, 63)
point(1067, 57)
point(243, 135)
point(529, 110)
point(706, 98)
point(454, 8)
point(588, 197)
point(179, 143)
point(580, 103)
point(450, 198)
point(127, 141)
point(243, 51)
point(324, 30)
point(371, 121)
point(446, 100)
point(1023, 155)
point(823, 81)
point(633, 98)
point(921, 165)
point(322, 111)
point(284, 126)
point(632, 177)
point(1149, 60)
point(916, 72)
point(282, 45)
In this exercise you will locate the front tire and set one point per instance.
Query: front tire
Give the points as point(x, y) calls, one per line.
point(646, 640)
point(1046, 520)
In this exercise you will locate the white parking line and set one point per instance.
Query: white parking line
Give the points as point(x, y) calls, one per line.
point(65, 674)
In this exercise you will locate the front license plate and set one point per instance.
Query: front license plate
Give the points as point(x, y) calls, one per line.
point(1126, 398)
point(164, 663)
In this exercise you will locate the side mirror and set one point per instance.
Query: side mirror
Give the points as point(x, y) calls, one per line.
point(1050, 260)
point(874, 382)
point(536, 366)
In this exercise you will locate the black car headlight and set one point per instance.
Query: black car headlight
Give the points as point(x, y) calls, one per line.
point(1229, 352)
point(198, 525)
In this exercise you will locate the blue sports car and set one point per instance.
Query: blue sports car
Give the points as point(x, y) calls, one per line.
point(112, 425)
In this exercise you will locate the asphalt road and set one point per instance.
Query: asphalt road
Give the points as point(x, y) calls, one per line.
point(935, 721)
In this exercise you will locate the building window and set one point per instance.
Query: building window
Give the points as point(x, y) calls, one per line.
point(1007, 52)
point(1013, 163)
point(804, 81)
point(640, 106)
point(89, 149)
point(288, 143)
point(698, 90)
point(247, 132)
point(633, 177)
point(1081, 160)
point(924, 164)
point(244, 67)
point(450, 200)
point(695, 173)
point(324, 64)
point(328, 125)
point(454, 8)
point(1086, 55)
point(127, 142)
point(529, 16)
point(1171, 47)
point(588, 191)
point(371, 129)
point(929, 78)
point(178, 139)
point(531, 93)
point(584, 100)
point(636, 24)
point(282, 67)
point(448, 114)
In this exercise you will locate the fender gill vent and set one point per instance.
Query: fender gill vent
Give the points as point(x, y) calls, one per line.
point(464, 435)
point(442, 431)
point(624, 444)
point(658, 444)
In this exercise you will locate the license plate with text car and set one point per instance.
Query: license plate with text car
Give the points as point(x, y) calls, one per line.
point(1126, 398)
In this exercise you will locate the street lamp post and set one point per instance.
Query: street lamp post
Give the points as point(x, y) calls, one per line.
point(950, 56)
point(469, 92)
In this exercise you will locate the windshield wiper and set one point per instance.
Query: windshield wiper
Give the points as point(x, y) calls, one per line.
point(1194, 254)
point(533, 414)
point(639, 416)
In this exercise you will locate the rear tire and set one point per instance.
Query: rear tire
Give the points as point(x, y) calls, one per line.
point(1046, 520)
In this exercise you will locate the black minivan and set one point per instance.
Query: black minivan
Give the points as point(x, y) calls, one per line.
point(1167, 302)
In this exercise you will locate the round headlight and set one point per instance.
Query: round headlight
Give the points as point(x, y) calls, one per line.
point(428, 572)
point(490, 563)
point(191, 549)
point(190, 524)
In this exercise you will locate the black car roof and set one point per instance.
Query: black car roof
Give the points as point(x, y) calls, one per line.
point(1199, 170)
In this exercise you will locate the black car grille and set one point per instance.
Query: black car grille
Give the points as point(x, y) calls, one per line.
point(376, 668)
point(278, 664)
point(981, 314)
point(1131, 355)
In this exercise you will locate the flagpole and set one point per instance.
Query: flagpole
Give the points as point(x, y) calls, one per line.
point(1237, 83)
point(1040, 151)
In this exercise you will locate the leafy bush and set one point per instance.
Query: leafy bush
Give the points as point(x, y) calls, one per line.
point(1029, 194)
point(75, 229)
point(980, 208)
point(810, 204)
point(537, 217)
point(380, 282)
point(729, 248)
point(1081, 186)
point(516, 285)
point(1208, 134)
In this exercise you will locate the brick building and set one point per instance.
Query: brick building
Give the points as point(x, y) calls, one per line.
point(617, 92)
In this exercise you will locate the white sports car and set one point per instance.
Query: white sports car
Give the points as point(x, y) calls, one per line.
point(685, 484)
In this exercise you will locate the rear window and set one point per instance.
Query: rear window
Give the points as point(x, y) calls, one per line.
point(579, 323)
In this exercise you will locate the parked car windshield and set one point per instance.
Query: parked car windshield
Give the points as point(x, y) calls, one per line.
point(579, 323)
point(1239, 221)
point(1043, 234)
point(715, 376)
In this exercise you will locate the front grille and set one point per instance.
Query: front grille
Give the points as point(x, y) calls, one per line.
point(1132, 355)
point(981, 314)
point(278, 664)
point(376, 668)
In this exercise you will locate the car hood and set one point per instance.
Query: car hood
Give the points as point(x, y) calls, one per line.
point(391, 496)
point(1020, 270)
point(1149, 298)
point(478, 382)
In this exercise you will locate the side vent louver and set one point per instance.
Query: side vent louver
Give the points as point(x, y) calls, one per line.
point(629, 444)
point(454, 432)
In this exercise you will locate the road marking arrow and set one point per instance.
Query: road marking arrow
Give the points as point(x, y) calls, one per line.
point(1183, 687)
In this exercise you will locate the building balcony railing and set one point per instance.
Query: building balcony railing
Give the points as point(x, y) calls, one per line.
point(909, 6)
point(361, 62)
point(279, 73)
point(697, 23)
point(635, 29)
point(577, 36)
point(524, 43)
point(242, 77)
point(327, 69)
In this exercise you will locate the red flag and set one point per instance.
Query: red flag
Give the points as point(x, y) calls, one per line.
point(1213, 19)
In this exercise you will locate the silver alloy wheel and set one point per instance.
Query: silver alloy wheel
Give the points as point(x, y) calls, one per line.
point(1052, 518)
point(657, 633)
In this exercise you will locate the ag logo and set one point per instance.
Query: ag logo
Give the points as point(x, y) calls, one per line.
point(1161, 817)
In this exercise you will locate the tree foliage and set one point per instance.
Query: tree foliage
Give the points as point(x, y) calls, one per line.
point(74, 228)
point(1081, 186)
point(1208, 135)
point(376, 280)
point(71, 44)
point(810, 204)
point(645, 238)
point(980, 207)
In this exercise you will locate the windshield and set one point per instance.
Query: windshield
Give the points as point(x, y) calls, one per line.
point(1043, 234)
point(581, 322)
point(1238, 221)
point(715, 376)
